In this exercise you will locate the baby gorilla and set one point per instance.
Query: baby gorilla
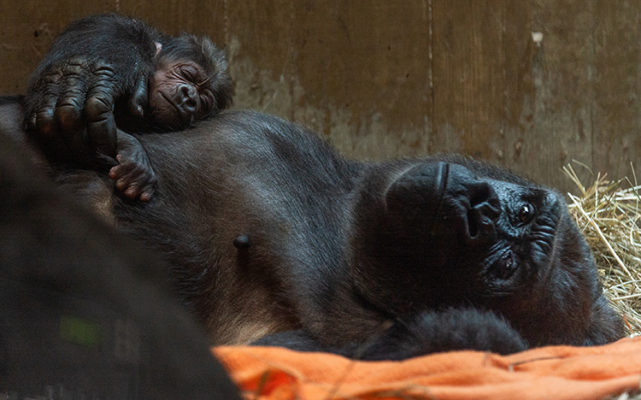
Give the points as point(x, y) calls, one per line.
point(186, 85)
point(106, 75)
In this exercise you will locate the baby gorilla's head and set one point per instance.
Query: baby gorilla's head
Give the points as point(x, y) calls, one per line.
point(190, 82)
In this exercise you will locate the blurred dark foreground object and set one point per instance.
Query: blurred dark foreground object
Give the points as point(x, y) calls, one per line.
point(84, 313)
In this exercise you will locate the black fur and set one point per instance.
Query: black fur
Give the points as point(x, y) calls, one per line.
point(84, 312)
point(451, 251)
point(94, 84)
point(112, 57)
point(268, 230)
point(427, 332)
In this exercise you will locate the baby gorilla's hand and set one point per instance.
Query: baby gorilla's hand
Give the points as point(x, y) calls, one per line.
point(133, 175)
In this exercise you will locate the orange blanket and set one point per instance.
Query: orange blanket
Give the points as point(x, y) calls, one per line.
point(560, 372)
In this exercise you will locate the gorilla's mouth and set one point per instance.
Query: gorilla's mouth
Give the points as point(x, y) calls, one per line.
point(505, 266)
point(168, 113)
point(179, 112)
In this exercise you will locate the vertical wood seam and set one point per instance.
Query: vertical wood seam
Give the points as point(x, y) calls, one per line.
point(593, 90)
point(431, 127)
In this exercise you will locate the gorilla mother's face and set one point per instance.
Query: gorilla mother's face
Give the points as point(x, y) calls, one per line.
point(458, 233)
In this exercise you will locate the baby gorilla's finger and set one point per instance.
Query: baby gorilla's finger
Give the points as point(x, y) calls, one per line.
point(132, 192)
point(133, 181)
point(147, 194)
point(121, 174)
point(140, 190)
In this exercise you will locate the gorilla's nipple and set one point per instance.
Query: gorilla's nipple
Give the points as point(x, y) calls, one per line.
point(242, 242)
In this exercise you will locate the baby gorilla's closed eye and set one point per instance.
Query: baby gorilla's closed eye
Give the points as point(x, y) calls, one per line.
point(175, 99)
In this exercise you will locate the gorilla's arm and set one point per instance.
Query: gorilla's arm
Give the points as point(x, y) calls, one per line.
point(428, 332)
point(97, 64)
point(96, 70)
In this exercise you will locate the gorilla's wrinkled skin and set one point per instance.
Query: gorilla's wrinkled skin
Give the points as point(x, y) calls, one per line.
point(452, 253)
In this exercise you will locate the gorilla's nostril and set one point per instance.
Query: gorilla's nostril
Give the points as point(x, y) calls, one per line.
point(472, 223)
point(487, 209)
point(482, 194)
point(480, 222)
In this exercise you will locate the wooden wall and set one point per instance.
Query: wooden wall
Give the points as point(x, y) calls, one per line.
point(530, 84)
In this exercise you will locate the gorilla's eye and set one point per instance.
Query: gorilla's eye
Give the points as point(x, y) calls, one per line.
point(526, 213)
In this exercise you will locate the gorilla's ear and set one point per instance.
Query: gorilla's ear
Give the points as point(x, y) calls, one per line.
point(419, 186)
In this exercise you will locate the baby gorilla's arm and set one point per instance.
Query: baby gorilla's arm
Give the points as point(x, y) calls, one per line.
point(134, 175)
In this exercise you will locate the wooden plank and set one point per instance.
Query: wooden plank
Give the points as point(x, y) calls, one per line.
point(199, 17)
point(258, 37)
point(561, 61)
point(617, 87)
point(469, 77)
point(27, 29)
point(521, 54)
point(362, 75)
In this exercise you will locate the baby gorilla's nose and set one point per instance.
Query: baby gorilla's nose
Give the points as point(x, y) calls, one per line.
point(188, 98)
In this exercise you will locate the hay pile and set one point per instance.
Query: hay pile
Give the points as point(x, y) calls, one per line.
point(609, 215)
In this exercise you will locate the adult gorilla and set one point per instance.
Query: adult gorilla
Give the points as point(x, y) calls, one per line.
point(267, 229)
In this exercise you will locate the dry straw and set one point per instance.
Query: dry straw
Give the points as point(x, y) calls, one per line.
point(609, 215)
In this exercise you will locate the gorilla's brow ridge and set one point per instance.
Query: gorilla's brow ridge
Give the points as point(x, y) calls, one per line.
point(391, 182)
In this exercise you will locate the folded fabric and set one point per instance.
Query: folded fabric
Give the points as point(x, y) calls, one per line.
point(553, 372)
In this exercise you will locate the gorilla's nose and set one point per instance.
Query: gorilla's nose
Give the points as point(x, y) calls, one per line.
point(473, 204)
point(483, 212)
point(187, 94)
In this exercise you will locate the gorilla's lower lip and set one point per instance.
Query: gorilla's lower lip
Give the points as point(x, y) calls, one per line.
point(440, 184)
